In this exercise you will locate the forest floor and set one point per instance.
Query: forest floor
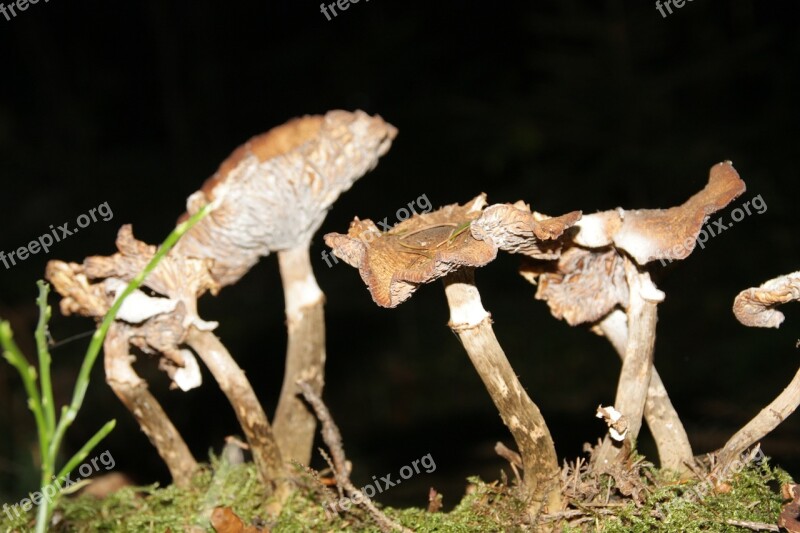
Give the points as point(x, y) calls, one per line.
point(633, 497)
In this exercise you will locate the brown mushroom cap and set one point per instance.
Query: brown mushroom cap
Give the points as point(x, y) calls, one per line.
point(755, 307)
point(419, 250)
point(152, 323)
point(653, 234)
point(429, 246)
point(176, 276)
point(515, 229)
point(589, 279)
point(583, 287)
point(274, 191)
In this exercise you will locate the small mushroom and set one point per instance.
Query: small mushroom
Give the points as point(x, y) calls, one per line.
point(93, 299)
point(162, 324)
point(602, 268)
point(437, 245)
point(278, 188)
point(755, 307)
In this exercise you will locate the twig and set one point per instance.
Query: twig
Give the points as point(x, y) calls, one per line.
point(333, 439)
point(508, 454)
point(513, 458)
point(755, 526)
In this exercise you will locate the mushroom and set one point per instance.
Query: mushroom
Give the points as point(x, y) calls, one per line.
point(278, 187)
point(161, 324)
point(436, 245)
point(603, 268)
point(755, 307)
point(92, 299)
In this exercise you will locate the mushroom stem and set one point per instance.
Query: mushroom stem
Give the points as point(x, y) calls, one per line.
point(674, 449)
point(470, 321)
point(634, 378)
point(295, 424)
point(132, 391)
point(251, 416)
point(763, 423)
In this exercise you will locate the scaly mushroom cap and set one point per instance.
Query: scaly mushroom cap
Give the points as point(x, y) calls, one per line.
point(176, 276)
point(594, 279)
point(515, 229)
point(275, 190)
point(151, 323)
point(429, 246)
point(589, 280)
point(653, 234)
point(419, 250)
point(756, 307)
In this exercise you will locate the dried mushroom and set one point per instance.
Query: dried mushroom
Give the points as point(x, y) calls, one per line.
point(441, 244)
point(755, 308)
point(275, 192)
point(603, 269)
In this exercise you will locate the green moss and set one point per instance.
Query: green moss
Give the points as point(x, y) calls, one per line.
point(667, 506)
point(696, 506)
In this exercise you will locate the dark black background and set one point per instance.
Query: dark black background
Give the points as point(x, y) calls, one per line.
point(568, 105)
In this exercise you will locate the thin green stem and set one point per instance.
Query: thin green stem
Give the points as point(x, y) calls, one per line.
point(51, 431)
point(13, 355)
point(48, 405)
point(83, 453)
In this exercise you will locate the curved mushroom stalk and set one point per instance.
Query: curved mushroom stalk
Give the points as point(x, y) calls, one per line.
point(672, 442)
point(295, 424)
point(470, 321)
point(755, 308)
point(251, 416)
point(154, 422)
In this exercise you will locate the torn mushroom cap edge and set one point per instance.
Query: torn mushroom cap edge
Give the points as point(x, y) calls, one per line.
point(655, 234)
point(755, 307)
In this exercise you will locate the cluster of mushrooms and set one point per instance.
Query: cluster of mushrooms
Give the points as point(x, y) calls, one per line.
point(272, 195)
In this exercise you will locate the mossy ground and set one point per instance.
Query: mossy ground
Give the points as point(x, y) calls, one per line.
point(662, 504)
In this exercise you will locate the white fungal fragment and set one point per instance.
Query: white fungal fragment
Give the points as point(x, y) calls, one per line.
point(138, 307)
point(617, 422)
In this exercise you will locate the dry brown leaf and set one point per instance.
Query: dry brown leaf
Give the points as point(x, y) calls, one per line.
point(224, 520)
point(790, 512)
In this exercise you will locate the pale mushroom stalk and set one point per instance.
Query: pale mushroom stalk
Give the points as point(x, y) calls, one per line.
point(763, 423)
point(154, 422)
point(470, 321)
point(251, 416)
point(634, 378)
point(295, 424)
point(672, 442)
point(755, 308)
